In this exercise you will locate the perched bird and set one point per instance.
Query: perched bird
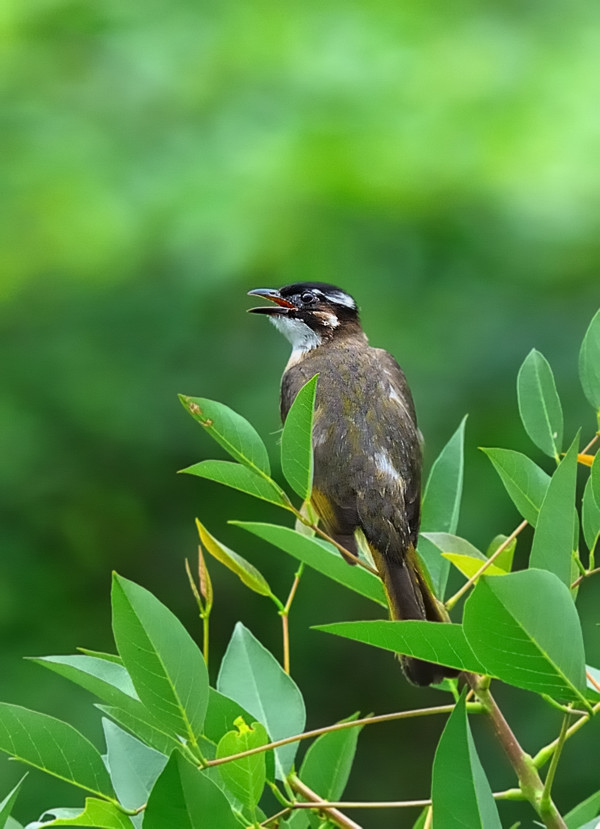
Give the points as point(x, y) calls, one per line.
point(367, 447)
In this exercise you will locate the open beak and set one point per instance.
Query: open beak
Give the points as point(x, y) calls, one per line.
point(280, 306)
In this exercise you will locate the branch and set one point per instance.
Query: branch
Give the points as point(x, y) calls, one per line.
point(315, 802)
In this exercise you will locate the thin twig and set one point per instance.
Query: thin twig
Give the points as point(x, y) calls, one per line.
point(585, 575)
point(317, 732)
point(315, 801)
point(467, 585)
point(544, 754)
point(546, 799)
point(285, 613)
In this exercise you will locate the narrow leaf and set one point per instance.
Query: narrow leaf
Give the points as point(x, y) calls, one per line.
point(108, 680)
point(186, 798)
point(525, 629)
point(252, 677)
point(296, 441)
point(449, 543)
point(321, 556)
point(461, 793)
point(240, 477)
point(469, 566)
point(245, 571)
point(327, 764)
point(589, 362)
point(441, 505)
point(6, 806)
point(553, 539)
point(54, 747)
point(525, 482)
point(437, 642)
point(595, 478)
point(97, 813)
point(165, 664)
point(138, 720)
point(584, 812)
point(133, 766)
point(590, 517)
point(245, 778)
point(232, 431)
point(539, 404)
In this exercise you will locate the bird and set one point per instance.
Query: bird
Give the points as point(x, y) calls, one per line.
point(366, 445)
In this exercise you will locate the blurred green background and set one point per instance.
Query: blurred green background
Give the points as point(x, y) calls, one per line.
point(438, 161)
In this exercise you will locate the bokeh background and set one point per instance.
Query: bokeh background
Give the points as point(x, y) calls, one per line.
point(439, 161)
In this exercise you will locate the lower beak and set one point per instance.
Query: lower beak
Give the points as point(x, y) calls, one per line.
point(281, 305)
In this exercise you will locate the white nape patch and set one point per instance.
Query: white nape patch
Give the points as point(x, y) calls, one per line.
point(301, 336)
point(340, 298)
point(386, 467)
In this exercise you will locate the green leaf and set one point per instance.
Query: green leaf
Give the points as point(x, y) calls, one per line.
point(461, 794)
point(505, 559)
point(252, 677)
point(441, 505)
point(296, 440)
point(552, 546)
point(240, 477)
point(327, 764)
point(525, 482)
point(470, 566)
point(108, 657)
point(321, 556)
point(221, 714)
point(461, 553)
point(6, 806)
point(525, 630)
point(165, 664)
point(185, 798)
point(595, 478)
point(589, 362)
point(584, 812)
point(437, 642)
point(539, 404)
point(245, 778)
point(245, 571)
point(108, 680)
point(590, 516)
point(232, 431)
point(54, 747)
point(97, 813)
point(139, 721)
point(133, 766)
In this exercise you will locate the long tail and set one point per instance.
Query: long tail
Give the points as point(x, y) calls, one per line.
point(410, 597)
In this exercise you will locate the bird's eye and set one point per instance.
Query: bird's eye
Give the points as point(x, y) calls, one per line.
point(307, 297)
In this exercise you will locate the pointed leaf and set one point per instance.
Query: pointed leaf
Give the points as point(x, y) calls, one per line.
point(108, 680)
point(296, 440)
point(6, 806)
point(139, 722)
point(243, 478)
point(589, 362)
point(525, 481)
point(539, 404)
point(245, 571)
point(230, 430)
point(185, 798)
point(327, 763)
point(245, 778)
point(449, 543)
point(221, 714)
point(97, 813)
point(461, 793)
point(469, 566)
point(251, 676)
point(525, 629)
point(54, 747)
point(437, 642)
point(552, 547)
point(133, 766)
point(321, 556)
point(584, 812)
point(165, 664)
point(441, 505)
point(590, 516)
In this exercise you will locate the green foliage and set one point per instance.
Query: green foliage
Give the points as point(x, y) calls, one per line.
point(181, 753)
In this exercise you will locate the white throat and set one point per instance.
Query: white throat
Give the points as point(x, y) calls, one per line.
point(301, 336)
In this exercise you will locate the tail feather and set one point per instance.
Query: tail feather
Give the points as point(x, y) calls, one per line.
point(410, 597)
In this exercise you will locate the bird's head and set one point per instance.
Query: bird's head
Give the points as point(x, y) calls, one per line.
point(309, 313)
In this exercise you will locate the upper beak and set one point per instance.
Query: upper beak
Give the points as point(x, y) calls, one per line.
point(281, 305)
